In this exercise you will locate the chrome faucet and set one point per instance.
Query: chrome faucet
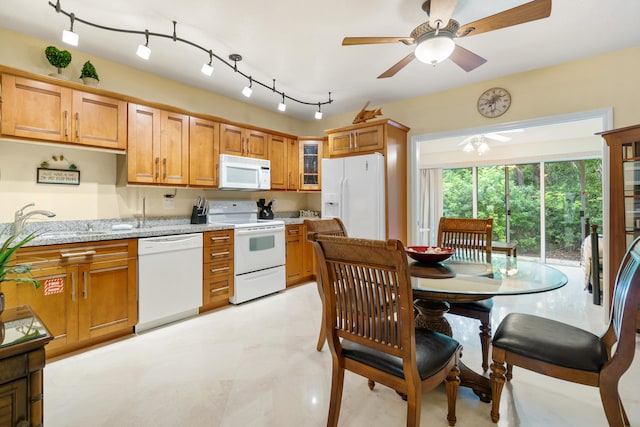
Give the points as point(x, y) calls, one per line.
point(20, 218)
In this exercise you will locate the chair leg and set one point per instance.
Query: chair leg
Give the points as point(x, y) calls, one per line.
point(371, 383)
point(322, 336)
point(452, 384)
point(485, 342)
point(414, 405)
point(624, 415)
point(612, 404)
point(498, 379)
point(509, 372)
point(337, 381)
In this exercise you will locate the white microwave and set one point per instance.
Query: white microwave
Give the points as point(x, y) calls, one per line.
point(244, 173)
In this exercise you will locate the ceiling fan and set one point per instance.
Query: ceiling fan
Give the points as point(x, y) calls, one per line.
point(480, 142)
point(434, 38)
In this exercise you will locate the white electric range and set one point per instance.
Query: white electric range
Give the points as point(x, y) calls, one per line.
point(259, 248)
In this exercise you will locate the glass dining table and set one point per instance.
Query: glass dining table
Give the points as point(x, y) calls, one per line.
point(463, 280)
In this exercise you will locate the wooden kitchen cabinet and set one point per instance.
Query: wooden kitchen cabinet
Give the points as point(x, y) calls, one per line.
point(22, 360)
point(283, 155)
point(217, 267)
point(388, 138)
point(299, 264)
point(158, 151)
point(204, 146)
point(310, 163)
point(356, 139)
point(239, 141)
point(45, 111)
point(624, 197)
point(88, 291)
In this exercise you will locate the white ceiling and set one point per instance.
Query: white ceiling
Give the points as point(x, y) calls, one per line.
point(298, 43)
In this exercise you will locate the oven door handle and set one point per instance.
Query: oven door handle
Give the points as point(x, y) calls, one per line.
point(256, 232)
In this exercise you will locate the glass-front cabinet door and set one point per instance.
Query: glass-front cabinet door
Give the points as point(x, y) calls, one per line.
point(310, 156)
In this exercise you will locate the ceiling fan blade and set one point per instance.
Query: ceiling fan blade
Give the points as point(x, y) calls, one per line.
point(398, 66)
point(532, 11)
point(440, 11)
point(466, 59)
point(497, 137)
point(350, 41)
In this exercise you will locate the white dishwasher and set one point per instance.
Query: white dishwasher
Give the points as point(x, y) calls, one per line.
point(169, 279)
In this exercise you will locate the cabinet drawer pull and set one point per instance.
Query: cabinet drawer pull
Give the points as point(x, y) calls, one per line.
point(214, 239)
point(219, 254)
point(72, 254)
point(215, 270)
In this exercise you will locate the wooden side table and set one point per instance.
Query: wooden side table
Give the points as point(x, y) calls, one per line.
point(22, 359)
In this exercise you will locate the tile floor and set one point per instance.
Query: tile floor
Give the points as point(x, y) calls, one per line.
point(256, 365)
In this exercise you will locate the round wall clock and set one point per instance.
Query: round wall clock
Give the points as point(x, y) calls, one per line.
point(494, 102)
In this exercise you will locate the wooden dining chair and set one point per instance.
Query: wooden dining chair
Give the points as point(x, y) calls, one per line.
point(330, 227)
point(369, 321)
point(569, 353)
point(471, 238)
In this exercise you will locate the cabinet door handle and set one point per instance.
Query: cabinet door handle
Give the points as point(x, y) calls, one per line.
point(77, 125)
point(73, 254)
point(84, 278)
point(157, 168)
point(73, 286)
point(164, 166)
point(289, 180)
point(66, 123)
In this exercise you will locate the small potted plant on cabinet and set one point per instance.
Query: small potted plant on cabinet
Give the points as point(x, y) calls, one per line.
point(59, 59)
point(89, 75)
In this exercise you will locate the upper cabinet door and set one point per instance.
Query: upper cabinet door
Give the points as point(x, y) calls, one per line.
point(231, 140)
point(278, 149)
point(99, 121)
point(239, 141)
point(34, 109)
point(174, 148)
point(204, 142)
point(143, 153)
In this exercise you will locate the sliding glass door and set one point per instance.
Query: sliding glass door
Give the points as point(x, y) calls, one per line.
point(516, 195)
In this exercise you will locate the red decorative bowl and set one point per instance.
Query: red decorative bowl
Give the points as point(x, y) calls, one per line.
point(428, 254)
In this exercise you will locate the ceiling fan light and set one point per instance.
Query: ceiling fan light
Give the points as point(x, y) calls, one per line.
point(435, 49)
point(483, 148)
point(468, 147)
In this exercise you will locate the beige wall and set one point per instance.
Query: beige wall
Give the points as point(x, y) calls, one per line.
point(593, 83)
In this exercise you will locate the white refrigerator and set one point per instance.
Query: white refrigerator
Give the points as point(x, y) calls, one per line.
point(353, 189)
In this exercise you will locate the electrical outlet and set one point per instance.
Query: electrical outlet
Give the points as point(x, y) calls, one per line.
point(168, 203)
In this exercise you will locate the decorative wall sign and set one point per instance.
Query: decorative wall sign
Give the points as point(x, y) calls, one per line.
point(58, 176)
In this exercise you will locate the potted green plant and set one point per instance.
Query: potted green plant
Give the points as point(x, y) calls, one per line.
point(89, 75)
point(8, 249)
point(58, 58)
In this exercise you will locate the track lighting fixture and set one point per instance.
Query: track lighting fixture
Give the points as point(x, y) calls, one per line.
point(144, 52)
point(207, 69)
point(282, 106)
point(247, 91)
point(68, 36)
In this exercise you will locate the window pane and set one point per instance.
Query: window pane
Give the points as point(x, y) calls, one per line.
point(491, 201)
point(524, 204)
point(457, 193)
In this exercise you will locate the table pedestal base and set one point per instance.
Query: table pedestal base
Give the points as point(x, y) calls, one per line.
point(431, 316)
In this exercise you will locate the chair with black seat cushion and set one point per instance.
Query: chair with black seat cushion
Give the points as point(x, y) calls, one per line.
point(368, 314)
point(569, 353)
point(330, 227)
point(471, 238)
